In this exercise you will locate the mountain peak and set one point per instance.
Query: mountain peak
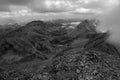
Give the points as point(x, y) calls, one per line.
point(35, 23)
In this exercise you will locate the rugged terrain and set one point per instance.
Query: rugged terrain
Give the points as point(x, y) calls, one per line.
point(46, 51)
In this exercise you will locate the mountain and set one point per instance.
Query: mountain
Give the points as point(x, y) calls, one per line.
point(47, 51)
point(83, 29)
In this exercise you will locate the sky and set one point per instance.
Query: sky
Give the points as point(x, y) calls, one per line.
point(22, 10)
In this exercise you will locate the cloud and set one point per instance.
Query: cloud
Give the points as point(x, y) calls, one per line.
point(17, 2)
point(57, 6)
point(4, 4)
point(54, 8)
point(110, 20)
point(86, 11)
point(46, 6)
point(4, 7)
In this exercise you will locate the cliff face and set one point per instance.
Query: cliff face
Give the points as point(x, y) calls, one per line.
point(43, 52)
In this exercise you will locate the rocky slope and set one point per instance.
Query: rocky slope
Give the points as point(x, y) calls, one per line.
point(46, 51)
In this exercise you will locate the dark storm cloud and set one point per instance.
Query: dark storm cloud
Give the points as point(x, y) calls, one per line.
point(4, 4)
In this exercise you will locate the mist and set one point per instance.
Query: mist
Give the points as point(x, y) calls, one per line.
point(110, 21)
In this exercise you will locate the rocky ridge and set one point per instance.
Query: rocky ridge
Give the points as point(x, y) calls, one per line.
point(46, 51)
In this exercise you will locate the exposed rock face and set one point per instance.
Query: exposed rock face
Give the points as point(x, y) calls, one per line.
point(84, 28)
point(38, 51)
